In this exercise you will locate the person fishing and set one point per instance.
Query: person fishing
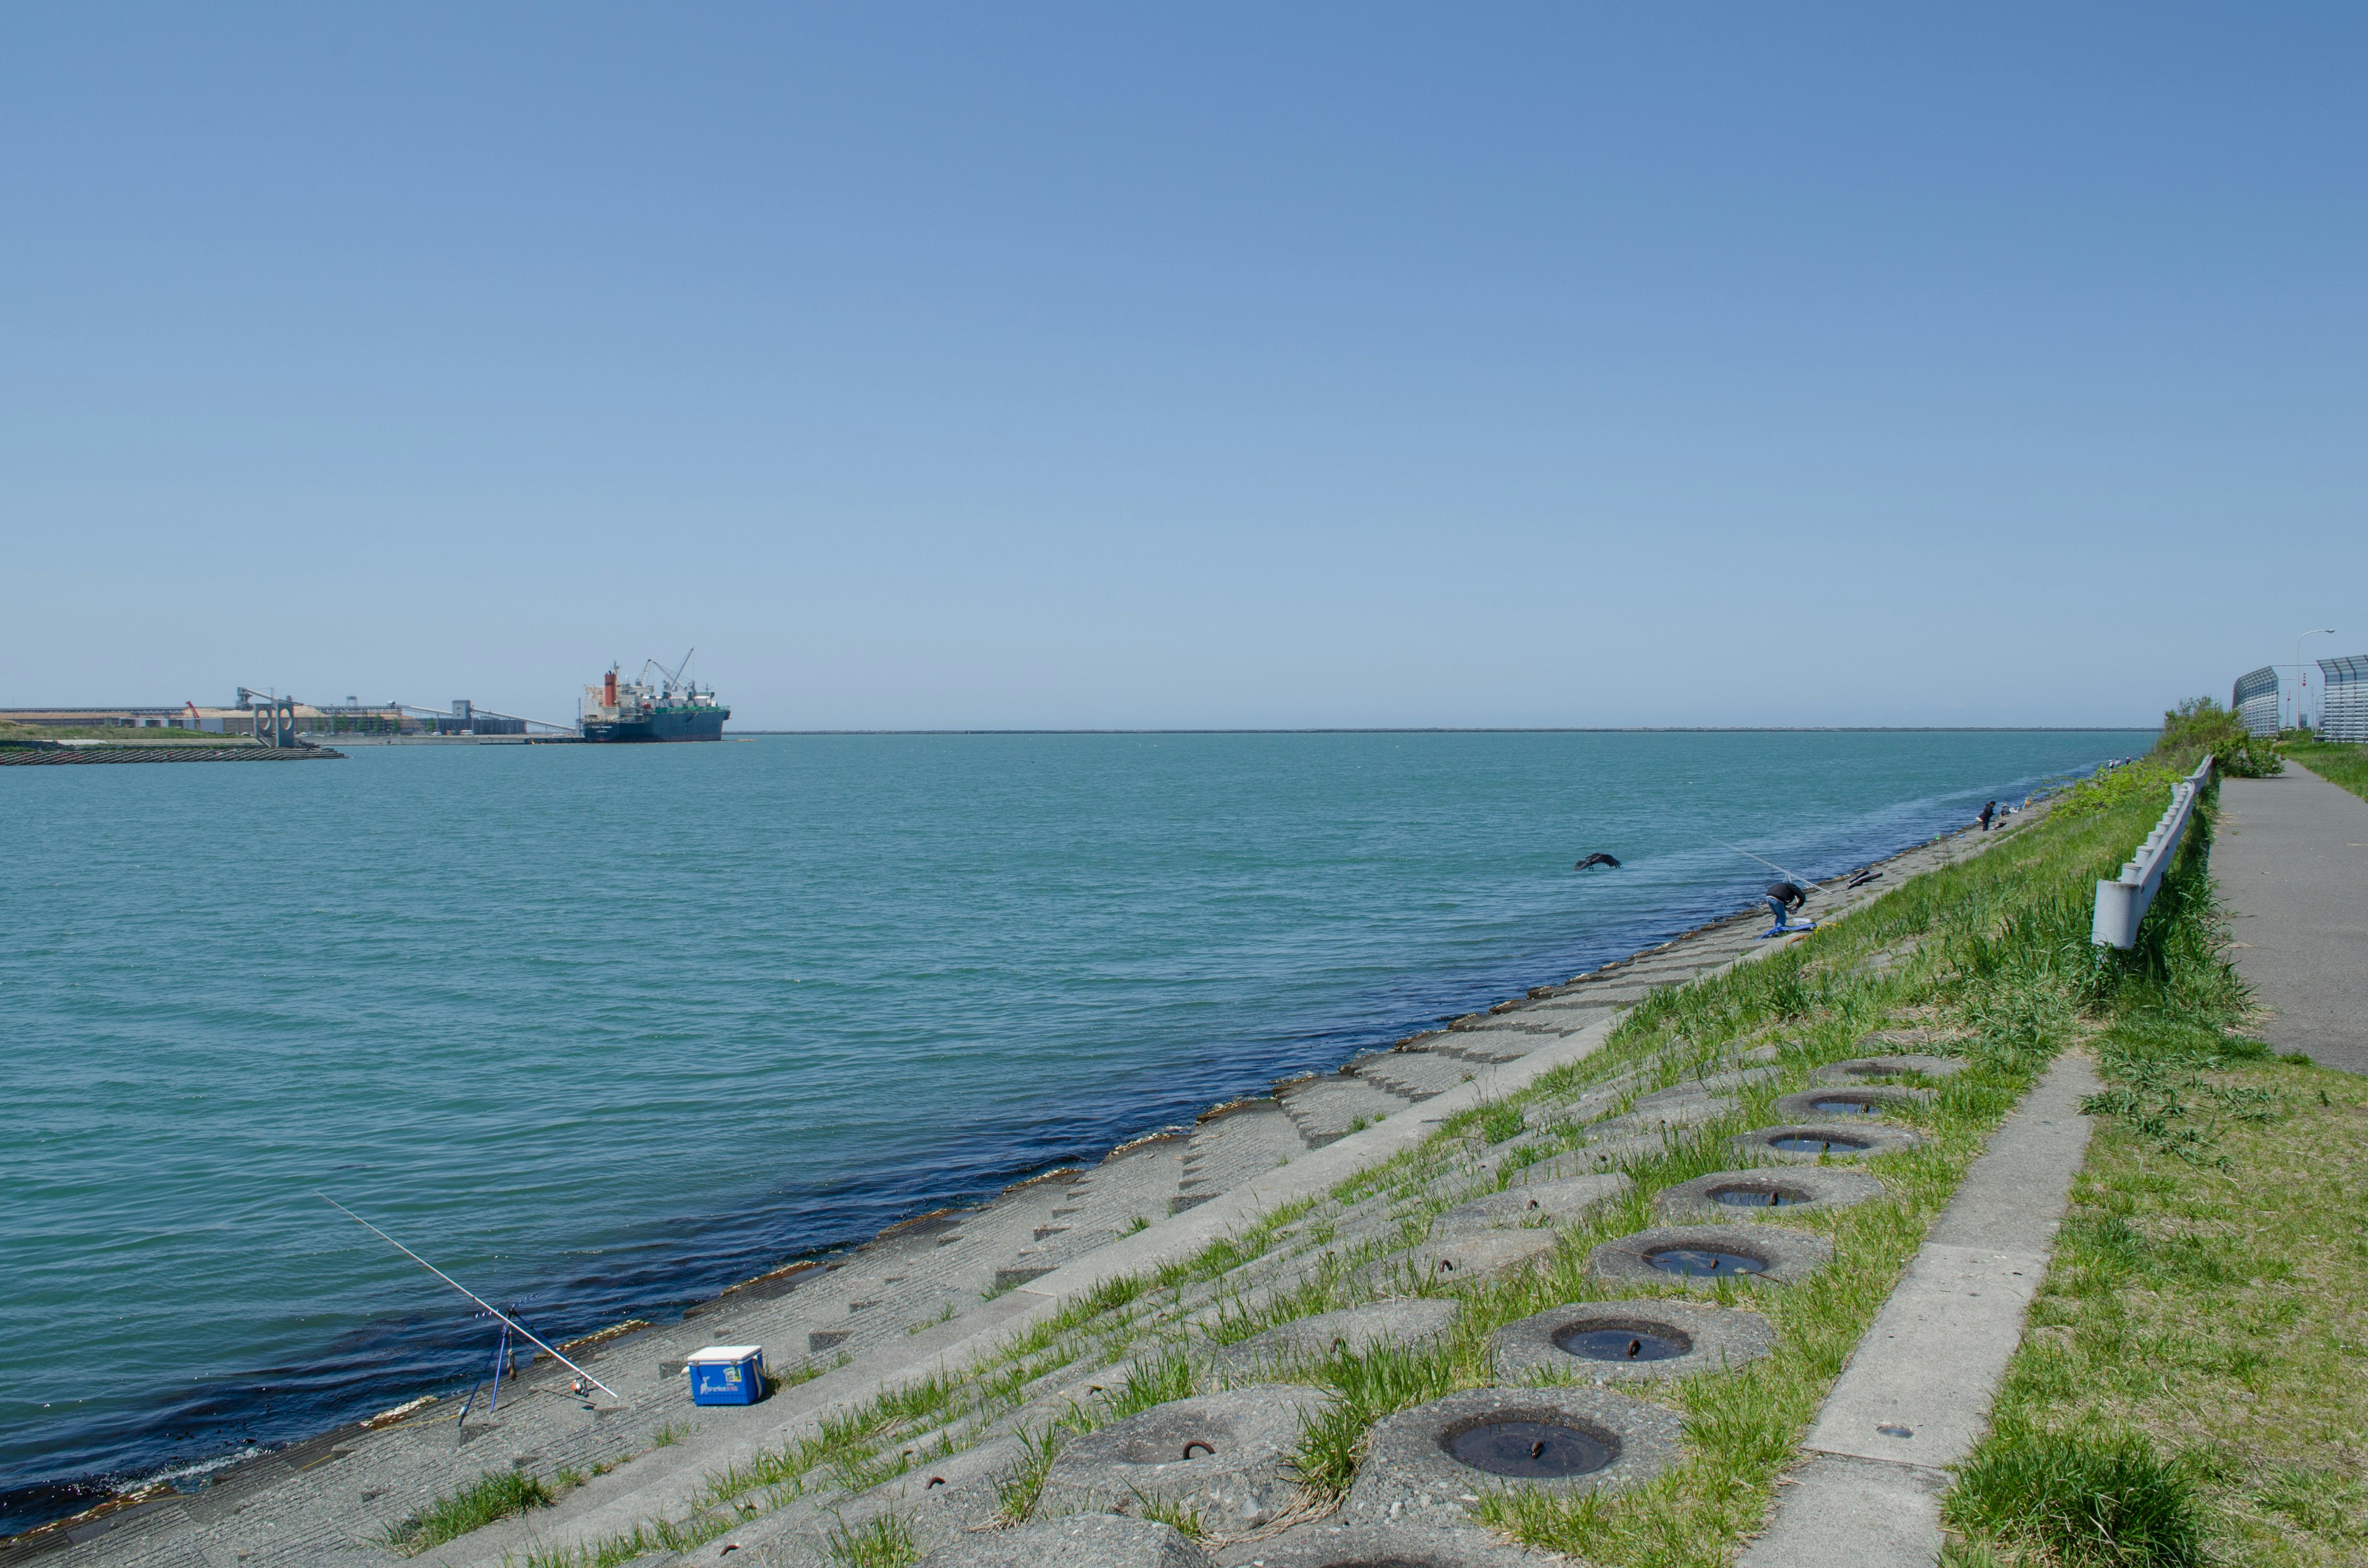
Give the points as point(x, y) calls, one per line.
point(1783, 899)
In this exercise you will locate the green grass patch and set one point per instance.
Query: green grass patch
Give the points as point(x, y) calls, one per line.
point(884, 1541)
point(2332, 760)
point(2207, 1298)
point(497, 1494)
point(2085, 1502)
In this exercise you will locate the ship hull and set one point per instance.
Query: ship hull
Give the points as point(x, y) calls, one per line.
point(705, 724)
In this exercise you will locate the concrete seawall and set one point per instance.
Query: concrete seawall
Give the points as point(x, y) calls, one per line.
point(936, 1292)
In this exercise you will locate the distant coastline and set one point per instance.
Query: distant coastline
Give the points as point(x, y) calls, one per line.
point(1546, 730)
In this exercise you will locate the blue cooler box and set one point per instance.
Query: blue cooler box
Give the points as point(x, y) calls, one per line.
point(727, 1374)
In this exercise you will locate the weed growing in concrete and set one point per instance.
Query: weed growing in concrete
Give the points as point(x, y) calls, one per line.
point(497, 1494)
point(884, 1541)
point(1184, 1521)
point(1157, 1381)
point(1016, 1490)
point(1499, 1121)
point(1367, 1386)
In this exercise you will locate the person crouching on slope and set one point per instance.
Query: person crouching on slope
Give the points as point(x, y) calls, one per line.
point(1784, 898)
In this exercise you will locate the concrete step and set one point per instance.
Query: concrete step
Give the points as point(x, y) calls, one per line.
point(1136, 1183)
point(1415, 1074)
point(1490, 1045)
point(1330, 1108)
point(1234, 1145)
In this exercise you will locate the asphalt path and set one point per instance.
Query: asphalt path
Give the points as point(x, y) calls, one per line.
point(2292, 862)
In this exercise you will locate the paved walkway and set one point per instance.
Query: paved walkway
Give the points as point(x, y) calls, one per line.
point(2291, 860)
point(1916, 1395)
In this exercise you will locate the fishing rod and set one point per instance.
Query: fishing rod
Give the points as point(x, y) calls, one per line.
point(508, 1321)
point(1790, 874)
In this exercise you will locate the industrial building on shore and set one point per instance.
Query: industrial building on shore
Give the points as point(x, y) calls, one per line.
point(256, 714)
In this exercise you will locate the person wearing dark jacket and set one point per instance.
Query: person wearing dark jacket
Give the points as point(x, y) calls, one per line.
point(1988, 811)
point(1783, 899)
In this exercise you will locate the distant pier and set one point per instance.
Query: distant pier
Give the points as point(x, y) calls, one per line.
point(57, 754)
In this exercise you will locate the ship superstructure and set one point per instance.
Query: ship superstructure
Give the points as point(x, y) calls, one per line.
point(671, 708)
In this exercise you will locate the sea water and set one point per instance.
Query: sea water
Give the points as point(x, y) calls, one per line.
point(603, 1029)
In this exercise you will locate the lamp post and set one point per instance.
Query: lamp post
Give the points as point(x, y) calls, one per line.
point(2318, 631)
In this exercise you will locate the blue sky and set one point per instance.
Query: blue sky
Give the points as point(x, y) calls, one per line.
point(1123, 366)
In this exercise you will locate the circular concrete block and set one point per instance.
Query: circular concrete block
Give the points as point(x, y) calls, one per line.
point(1220, 1456)
point(1776, 1256)
point(1860, 1068)
point(1669, 1339)
point(1082, 1540)
point(1799, 1188)
point(1845, 1103)
point(1333, 1545)
point(1551, 1202)
point(1484, 1254)
point(1406, 1320)
point(1412, 1476)
point(1813, 1141)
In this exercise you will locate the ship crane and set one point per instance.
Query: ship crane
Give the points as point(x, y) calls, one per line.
point(673, 677)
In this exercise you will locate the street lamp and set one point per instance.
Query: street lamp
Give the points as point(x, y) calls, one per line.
point(2320, 632)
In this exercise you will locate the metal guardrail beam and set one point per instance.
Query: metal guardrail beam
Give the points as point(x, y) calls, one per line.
point(2123, 903)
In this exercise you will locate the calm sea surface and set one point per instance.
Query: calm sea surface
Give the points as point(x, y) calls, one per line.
point(602, 1029)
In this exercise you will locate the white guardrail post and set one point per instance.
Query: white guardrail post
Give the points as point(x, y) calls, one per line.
point(2123, 903)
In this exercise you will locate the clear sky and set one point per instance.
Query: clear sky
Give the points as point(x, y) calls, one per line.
point(980, 366)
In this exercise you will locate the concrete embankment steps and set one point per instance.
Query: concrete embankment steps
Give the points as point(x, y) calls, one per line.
point(942, 1290)
point(1134, 1184)
point(1233, 1145)
point(1330, 1106)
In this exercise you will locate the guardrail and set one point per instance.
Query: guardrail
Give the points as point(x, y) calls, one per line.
point(2123, 903)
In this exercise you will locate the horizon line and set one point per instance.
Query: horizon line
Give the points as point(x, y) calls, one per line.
point(1519, 729)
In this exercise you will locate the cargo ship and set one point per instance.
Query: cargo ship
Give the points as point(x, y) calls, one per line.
point(673, 709)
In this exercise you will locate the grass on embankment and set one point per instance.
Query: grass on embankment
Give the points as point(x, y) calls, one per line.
point(497, 1494)
point(2333, 761)
point(2201, 1339)
point(2193, 1384)
point(1993, 954)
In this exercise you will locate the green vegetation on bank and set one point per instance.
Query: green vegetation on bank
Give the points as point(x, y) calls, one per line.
point(2332, 760)
point(497, 1494)
point(2194, 1386)
point(1991, 958)
point(2201, 725)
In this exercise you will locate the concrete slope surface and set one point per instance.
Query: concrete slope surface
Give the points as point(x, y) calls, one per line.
point(936, 1293)
point(2291, 860)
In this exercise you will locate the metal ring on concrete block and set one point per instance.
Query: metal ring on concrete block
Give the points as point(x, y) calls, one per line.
point(1488, 1255)
point(1805, 1143)
point(1631, 1342)
point(1848, 1102)
point(1404, 1320)
point(1333, 1545)
point(1552, 1202)
point(1860, 1068)
point(1220, 1456)
point(1082, 1540)
point(1754, 1194)
point(1698, 1256)
point(1430, 1464)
